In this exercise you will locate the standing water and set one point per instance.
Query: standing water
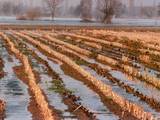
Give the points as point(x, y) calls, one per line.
point(89, 98)
point(55, 100)
point(12, 90)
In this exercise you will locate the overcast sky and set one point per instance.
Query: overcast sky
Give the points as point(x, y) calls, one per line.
point(145, 2)
point(75, 2)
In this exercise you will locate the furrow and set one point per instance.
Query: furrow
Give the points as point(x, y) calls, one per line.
point(34, 88)
point(106, 90)
point(153, 101)
point(68, 97)
point(145, 76)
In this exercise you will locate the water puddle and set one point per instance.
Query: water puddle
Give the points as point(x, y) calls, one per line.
point(122, 92)
point(112, 53)
point(147, 70)
point(116, 54)
point(13, 90)
point(137, 85)
point(54, 98)
point(89, 99)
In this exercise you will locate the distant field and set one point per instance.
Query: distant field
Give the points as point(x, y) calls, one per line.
point(84, 73)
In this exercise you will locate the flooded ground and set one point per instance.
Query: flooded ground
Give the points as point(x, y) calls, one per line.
point(123, 93)
point(77, 22)
point(12, 90)
point(88, 98)
point(55, 100)
point(106, 83)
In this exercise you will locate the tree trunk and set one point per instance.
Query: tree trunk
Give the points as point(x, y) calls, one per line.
point(107, 19)
point(52, 15)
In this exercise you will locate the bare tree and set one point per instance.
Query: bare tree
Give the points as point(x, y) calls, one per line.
point(106, 10)
point(33, 13)
point(86, 8)
point(148, 12)
point(18, 9)
point(52, 6)
point(6, 7)
point(120, 9)
point(159, 9)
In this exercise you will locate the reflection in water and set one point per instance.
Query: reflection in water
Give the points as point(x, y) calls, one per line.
point(54, 98)
point(12, 90)
point(89, 98)
point(139, 86)
point(143, 69)
point(78, 22)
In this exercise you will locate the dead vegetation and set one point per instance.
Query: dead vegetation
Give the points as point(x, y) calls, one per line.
point(2, 109)
point(118, 51)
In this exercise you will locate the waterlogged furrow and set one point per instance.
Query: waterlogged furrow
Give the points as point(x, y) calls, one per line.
point(77, 49)
point(121, 92)
point(67, 45)
point(117, 48)
point(109, 50)
point(58, 42)
point(146, 37)
point(34, 88)
point(55, 100)
point(91, 71)
point(134, 49)
point(147, 90)
point(145, 70)
point(12, 90)
point(138, 86)
point(130, 70)
point(128, 84)
point(61, 46)
point(88, 98)
point(99, 41)
point(97, 113)
point(136, 111)
point(119, 35)
point(136, 89)
point(131, 48)
point(88, 112)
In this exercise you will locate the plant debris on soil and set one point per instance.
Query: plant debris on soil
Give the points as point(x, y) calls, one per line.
point(121, 68)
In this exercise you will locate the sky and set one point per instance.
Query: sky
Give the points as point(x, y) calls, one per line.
point(75, 2)
point(145, 2)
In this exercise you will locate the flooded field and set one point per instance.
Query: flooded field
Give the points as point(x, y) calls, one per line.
point(8, 20)
point(79, 74)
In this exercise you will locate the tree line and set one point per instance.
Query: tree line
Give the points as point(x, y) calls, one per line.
point(100, 10)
